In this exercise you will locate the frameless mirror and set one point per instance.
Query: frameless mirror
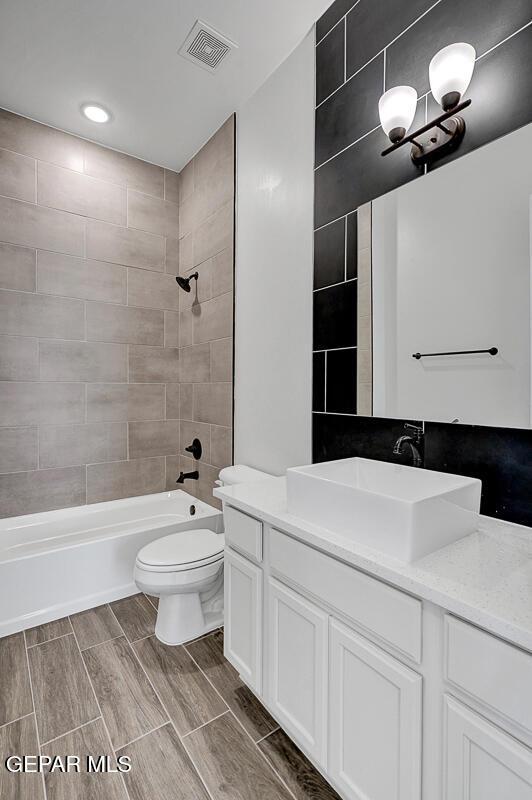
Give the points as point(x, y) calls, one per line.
point(451, 275)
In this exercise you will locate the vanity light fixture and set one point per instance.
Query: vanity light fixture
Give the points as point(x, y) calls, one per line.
point(450, 73)
point(397, 107)
point(95, 112)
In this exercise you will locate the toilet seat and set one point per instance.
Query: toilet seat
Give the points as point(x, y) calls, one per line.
point(184, 550)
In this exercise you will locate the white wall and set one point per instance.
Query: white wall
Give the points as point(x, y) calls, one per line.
point(274, 240)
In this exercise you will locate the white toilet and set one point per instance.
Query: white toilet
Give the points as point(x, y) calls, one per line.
point(185, 570)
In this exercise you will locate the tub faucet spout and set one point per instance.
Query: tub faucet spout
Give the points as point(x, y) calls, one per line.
point(186, 476)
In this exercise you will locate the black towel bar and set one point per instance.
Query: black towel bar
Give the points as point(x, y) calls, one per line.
point(491, 350)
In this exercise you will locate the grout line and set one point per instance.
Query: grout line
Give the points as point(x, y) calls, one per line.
point(239, 723)
point(325, 381)
point(334, 349)
point(98, 704)
point(360, 138)
point(53, 639)
point(97, 644)
point(34, 711)
point(72, 730)
point(381, 51)
point(345, 253)
point(11, 721)
point(278, 728)
point(345, 48)
point(138, 738)
point(339, 21)
point(339, 283)
point(184, 736)
point(503, 41)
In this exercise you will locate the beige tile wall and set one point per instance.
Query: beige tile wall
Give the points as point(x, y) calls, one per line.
point(206, 222)
point(91, 317)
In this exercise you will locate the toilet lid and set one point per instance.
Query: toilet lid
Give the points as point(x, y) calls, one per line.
point(184, 547)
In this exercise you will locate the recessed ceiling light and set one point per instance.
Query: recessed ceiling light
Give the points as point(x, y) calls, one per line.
point(95, 112)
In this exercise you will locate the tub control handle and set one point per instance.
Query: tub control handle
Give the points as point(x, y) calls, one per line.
point(195, 448)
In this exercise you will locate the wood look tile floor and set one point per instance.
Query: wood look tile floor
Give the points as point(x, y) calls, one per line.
point(100, 684)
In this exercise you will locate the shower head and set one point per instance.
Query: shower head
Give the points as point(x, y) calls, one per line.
point(184, 283)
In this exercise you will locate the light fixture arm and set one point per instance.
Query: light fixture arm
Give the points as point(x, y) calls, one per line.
point(445, 137)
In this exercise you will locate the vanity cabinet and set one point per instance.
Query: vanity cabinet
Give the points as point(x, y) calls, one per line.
point(482, 762)
point(298, 667)
point(389, 696)
point(243, 617)
point(374, 721)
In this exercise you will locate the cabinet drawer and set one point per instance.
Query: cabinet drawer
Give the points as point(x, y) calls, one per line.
point(243, 532)
point(391, 615)
point(495, 673)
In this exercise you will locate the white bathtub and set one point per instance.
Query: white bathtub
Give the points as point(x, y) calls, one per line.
point(60, 562)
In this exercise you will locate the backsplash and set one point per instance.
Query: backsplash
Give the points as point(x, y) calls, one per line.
point(89, 319)
point(362, 50)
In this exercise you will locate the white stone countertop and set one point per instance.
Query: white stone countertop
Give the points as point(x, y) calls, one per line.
point(485, 578)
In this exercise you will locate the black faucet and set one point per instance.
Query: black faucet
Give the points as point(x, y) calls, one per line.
point(195, 448)
point(188, 476)
point(413, 441)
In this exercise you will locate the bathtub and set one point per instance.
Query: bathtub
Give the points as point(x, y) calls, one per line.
point(59, 562)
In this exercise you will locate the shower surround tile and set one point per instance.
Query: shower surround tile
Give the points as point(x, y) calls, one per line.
point(17, 267)
point(92, 322)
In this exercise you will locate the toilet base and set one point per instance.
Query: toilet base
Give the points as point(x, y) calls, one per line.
point(181, 617)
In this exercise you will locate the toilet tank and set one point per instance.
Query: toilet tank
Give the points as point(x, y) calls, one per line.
point(239, 473)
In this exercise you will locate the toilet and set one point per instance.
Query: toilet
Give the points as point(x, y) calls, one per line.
point(185, 570)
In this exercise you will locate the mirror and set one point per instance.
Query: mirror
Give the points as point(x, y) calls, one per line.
point(451, 272)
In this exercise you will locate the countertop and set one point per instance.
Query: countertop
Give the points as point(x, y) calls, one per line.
point(485, 577)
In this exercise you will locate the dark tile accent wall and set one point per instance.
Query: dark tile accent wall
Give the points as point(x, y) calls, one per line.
point(387, 44)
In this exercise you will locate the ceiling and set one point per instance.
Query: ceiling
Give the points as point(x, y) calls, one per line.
point(56, 54)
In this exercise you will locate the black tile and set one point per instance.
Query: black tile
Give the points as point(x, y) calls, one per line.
point(500, 457)
point(482, 23)
point(500, 82)
point(341, 395)
point(334, 13)
point(329, 254)
point(351, 112)
point(336, 437)
point(360, 174)
point(335, 316)
point(352, 246)
point(330, 63)
point(370, 28)
point(318, 382)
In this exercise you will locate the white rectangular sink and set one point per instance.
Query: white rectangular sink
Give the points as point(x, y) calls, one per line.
point(404, 512)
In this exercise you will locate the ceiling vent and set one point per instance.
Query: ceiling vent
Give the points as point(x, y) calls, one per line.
point(206, 47)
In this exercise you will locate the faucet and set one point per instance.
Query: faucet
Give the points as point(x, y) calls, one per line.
point(414, 441)
point(185, 476)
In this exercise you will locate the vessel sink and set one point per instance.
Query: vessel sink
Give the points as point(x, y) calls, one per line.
point(404, 512)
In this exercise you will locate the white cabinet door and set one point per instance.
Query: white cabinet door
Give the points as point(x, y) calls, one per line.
point(297, 668)
point(482, 762)
point(243, 618)
point(374, 721)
